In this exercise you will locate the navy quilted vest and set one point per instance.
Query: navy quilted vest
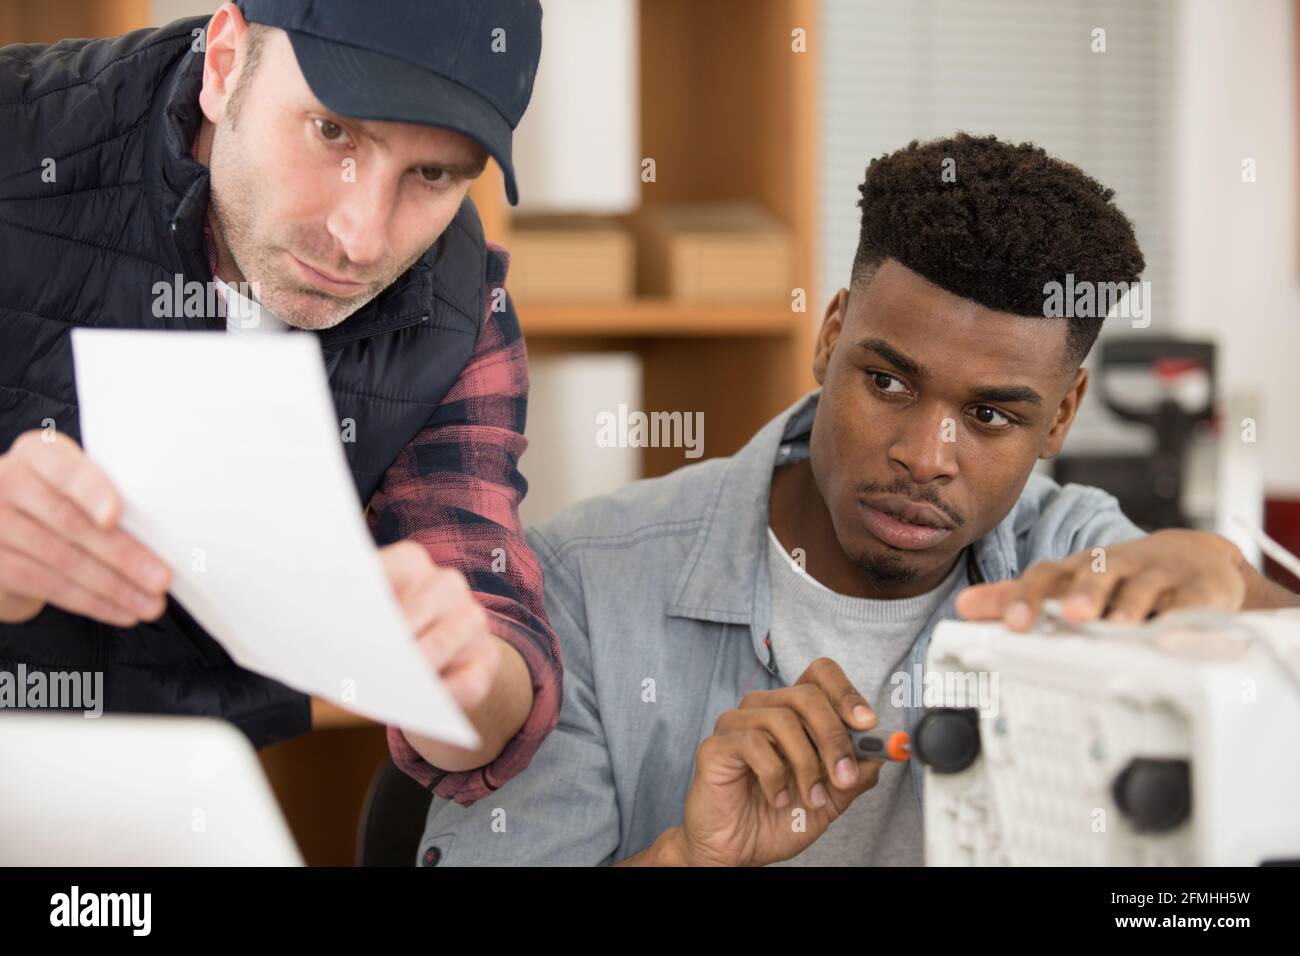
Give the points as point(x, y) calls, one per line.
point(124, 211)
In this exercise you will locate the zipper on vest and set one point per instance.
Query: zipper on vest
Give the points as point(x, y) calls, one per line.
point(370, 333)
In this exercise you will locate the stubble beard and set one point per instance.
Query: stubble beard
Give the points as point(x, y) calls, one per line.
point(885, 569)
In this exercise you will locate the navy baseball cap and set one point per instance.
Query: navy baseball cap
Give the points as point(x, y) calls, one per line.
point(463, 65)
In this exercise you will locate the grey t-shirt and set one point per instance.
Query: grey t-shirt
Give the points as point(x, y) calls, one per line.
point(870, 640)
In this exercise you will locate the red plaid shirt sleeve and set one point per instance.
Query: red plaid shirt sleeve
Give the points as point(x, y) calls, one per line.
point(456, 490)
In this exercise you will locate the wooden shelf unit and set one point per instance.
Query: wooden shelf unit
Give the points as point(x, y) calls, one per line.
point(728, 111)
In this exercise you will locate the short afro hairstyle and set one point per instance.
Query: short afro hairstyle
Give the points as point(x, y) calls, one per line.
point(1011, 220)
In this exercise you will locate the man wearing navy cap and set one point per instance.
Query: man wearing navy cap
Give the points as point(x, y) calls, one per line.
point(311, 162)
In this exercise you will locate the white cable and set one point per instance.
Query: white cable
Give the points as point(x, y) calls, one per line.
point(1270, 547)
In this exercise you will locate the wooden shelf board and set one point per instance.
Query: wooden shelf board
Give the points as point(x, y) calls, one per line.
point(658, 317)
point(329, 716)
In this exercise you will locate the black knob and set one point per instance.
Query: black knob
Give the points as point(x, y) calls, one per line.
point(947, 740)
point(1156, 795)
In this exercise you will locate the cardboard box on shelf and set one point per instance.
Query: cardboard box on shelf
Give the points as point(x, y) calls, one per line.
point(723, 251)
point(569, 259)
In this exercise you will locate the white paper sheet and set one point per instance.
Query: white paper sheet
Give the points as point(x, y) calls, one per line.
point(227, 454)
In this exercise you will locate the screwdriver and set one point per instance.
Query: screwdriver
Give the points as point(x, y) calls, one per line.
point(869, 746)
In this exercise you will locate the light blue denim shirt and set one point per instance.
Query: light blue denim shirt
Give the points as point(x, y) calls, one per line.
point(659, 596)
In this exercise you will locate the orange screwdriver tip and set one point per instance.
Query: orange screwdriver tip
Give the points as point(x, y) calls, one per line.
point(899, 745)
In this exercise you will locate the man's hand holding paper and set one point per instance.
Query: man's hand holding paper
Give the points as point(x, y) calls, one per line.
point(290, 584)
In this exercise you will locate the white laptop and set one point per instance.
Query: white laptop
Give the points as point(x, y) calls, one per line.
point(124, 790)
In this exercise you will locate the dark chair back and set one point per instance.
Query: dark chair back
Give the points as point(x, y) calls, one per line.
point(392, 819)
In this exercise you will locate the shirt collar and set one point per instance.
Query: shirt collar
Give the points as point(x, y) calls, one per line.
point(724, 579)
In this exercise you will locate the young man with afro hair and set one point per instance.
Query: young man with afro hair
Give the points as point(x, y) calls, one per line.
point(722, 625)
